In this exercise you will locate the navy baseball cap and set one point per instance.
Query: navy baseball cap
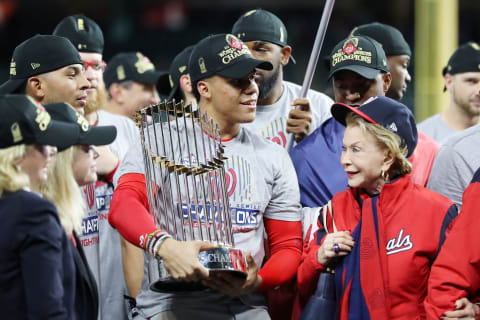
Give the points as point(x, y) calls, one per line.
point(391, 39)
point(361, 54)
point(130, 66)
point(25, 121)
point(37, 55)
point(465, 59)
point(169, 83)
point(224, 55)
point(83, 32)
point(388, 113)
point(261, 25)
point(89, 135)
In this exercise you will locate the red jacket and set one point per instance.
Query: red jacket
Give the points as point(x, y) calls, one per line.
point(415, 220)
point(456, 272)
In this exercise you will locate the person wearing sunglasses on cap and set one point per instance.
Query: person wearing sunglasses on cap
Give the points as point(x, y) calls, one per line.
point(72, 169)
point(37, 272)
point(389, 228)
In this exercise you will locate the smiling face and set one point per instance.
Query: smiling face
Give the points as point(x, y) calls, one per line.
point(230, 101)
point(363, 160)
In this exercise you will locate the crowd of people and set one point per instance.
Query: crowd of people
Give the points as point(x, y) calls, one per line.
point(347, 185)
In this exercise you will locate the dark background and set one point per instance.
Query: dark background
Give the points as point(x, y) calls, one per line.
point(161, 28)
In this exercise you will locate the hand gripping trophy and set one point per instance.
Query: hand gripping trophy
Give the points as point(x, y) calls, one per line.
point(186, 188)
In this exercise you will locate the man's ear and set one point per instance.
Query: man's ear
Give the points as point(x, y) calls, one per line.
point(448, 81)
point(36, 88)
point(387, 81)
point(185, 83)
point(203, 88)
point(116, 92)
point(286, 53)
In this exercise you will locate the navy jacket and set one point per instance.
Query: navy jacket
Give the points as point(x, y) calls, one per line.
point(36, 264)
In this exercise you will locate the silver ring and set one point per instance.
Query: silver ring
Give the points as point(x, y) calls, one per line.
point(336, 248)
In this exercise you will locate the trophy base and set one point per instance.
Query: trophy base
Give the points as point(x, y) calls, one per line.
point(218, 260)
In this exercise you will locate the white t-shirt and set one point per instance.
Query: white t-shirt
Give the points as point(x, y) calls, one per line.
point(257, 187)
point(271, 121)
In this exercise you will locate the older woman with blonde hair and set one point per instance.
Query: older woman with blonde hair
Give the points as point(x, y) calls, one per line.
point(386, 231)
point(36, 266)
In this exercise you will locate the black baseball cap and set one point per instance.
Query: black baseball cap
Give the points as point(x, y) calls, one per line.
point(37, 55)
point(169, 83)
point(465, 59)
point(130, 66)
point(388, 113)
point(25, 121)
point(88, 135)
point(261, 25)
point(224, 55)
point(361, 54)
point(391, 39)
point(83, 32)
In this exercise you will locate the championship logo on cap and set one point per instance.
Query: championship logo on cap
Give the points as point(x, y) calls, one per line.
point(143, 64)
point(350, 46)
point(233, 42)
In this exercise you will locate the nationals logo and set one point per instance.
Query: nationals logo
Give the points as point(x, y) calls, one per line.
point(231, 178)
point(279, 139)
point(89, 191)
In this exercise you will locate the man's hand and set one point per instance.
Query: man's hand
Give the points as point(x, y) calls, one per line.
point(464, 309)
point(300, 119)
point(180, 259)
point(234, 286)
point(106, 161)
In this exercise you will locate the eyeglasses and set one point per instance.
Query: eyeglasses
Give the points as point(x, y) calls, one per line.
point(96, 66)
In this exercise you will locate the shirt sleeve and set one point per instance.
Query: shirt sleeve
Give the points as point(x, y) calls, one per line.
point(320, 105)
point(41, 263)
point(454, 273)
point(285, 243)
point(285, 200)
point(450, 174)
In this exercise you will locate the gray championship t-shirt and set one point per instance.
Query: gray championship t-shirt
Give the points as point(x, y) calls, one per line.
point(435, 128)
point(101, 242)
point(261, 182)
point(455, 163)
point(271, 121)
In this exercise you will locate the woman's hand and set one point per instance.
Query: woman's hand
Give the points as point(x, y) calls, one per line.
point(464, 309)
point(336, 244)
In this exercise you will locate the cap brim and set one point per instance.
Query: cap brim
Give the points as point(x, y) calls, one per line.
point(59, 134)
point(149, 77)
point(244, 67)
point(98, 136)
point(365, 72)
point(340, 110)
point(12, 85)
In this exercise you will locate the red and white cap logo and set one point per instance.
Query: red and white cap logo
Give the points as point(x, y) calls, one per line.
point(349, 49)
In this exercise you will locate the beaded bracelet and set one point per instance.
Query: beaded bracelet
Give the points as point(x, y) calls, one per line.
point(154, 239)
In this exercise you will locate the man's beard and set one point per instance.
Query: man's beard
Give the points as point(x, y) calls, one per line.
point(97, 102)
point(266, 85)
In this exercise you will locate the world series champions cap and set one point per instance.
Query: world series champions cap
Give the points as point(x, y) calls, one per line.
point(361, 54)
point(25, 121)
point(224, 55)
point(261, 25)
point(83, 32)
point(89, 135)
point(465, 59)
point(169, 84)
point(386, 112)
point(391, 39)
point(130, 66)
point(37, 55)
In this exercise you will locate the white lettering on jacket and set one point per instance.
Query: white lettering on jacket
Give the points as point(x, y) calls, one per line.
point(399, 244)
